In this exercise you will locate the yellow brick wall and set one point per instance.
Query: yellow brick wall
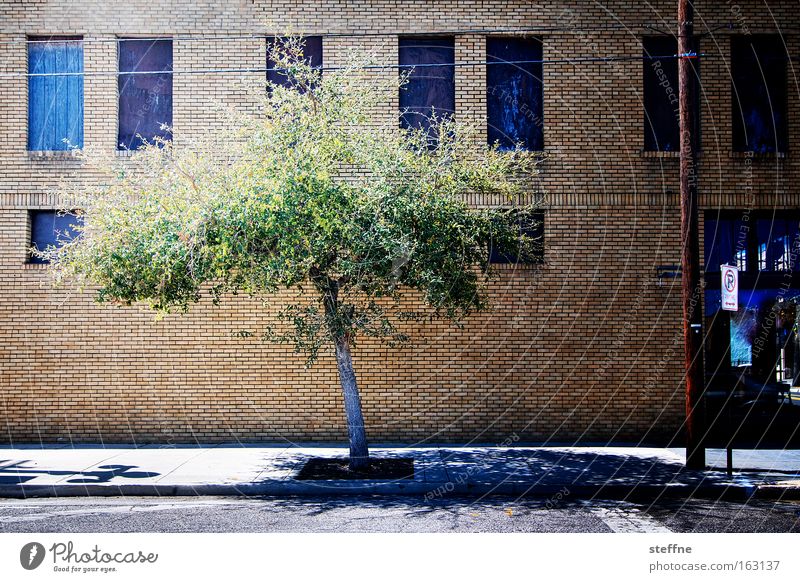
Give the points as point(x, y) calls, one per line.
point(584, 348)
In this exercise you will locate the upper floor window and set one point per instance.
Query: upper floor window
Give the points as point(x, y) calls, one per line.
point(758, 73)
point(514, 95)
point(430, 91)
point(660, 94)
point(312, 53)
point(51, 228)
point(145, 91)
point(55, 93)
point(755, 241)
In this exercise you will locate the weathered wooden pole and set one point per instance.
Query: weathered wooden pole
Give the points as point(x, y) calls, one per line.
point(690, 267)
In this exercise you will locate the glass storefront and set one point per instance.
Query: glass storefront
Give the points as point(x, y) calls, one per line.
point(760, 340)
point(752, 356)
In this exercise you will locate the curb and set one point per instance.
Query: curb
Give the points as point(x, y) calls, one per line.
point(778, 492)
point(428, 491)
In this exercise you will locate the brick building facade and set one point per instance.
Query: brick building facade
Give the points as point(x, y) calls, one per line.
point(586, 347)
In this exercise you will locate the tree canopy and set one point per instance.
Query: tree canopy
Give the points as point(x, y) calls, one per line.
point(309, 188)
point(314, 189)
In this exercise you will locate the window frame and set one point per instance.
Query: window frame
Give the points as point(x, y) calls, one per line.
point(31, 41)
point(777, 97)
point(310, 59)
point(649, 130)
point(751, 276)
point(501, 64)
point(54, 241)
point(446, 42)
point(166, 73)
point(652, 139)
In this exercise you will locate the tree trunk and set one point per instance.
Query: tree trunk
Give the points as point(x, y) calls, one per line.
point(359, 453)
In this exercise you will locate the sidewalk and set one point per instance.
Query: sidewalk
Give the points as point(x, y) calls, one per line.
point(550, 472)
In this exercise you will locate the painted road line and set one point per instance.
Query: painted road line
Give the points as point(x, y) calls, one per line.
point(628, 520)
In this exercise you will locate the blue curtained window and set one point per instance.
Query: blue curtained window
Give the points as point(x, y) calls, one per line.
point(55, 101)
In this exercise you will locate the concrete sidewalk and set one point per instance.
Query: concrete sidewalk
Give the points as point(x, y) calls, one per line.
point(558, 472)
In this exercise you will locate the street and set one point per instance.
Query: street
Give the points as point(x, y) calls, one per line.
point(396, 514)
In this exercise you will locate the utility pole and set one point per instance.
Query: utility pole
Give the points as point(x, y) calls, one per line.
point(690, 267)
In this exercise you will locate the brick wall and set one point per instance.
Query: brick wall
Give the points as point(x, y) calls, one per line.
point(586, 347)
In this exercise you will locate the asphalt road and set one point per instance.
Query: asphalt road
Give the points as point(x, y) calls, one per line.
point(352, 514)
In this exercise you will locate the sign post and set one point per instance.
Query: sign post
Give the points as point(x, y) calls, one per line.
point(730, 288)
point(730, 302)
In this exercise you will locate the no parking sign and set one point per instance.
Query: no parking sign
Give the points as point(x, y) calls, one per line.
point(730, 288)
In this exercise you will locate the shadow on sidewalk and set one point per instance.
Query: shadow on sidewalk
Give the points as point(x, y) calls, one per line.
point(561, 467)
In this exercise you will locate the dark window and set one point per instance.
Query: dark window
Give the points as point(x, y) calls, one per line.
point(759, 340)
point(55, 101)
point(753, 241)
point(727, 241)
point(430, 90)
point(51, 228)
point(777, 240)
point(532, 227)
point(514, 92)
point(758, 71)
point(145, 91)
point(660, 94)
point(312, 52)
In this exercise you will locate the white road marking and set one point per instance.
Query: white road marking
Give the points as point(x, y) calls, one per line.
point(622, 520)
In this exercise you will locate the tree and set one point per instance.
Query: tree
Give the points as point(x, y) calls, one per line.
point(312, 192)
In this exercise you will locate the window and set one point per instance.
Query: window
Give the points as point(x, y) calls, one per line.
point(430, 90)
point(51, 228)
point(55, 101)
point(758, 341)
point(145, 91)
point(754, 242)
point(758, 71)
point(660, 94)
point(531, 227)
point(778, 240)
point(514, 93)
point(727, 241)
point(312, 51)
